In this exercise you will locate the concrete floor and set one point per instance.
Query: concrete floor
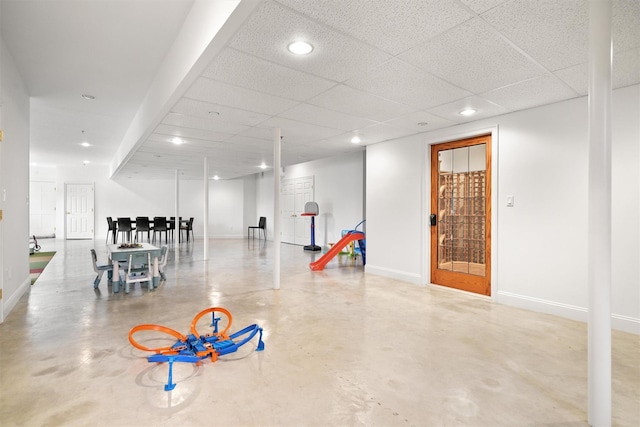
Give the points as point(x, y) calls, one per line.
point(342, 349)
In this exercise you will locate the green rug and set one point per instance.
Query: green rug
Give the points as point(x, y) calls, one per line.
point(37, 262)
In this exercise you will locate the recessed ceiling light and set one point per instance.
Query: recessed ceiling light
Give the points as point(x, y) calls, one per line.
point(263, 165)
point(216, 177)
point(355, 140)
point(87, 96)
point(300, 48)
point(177, 140)
point(85, 144)
point(468, 112)
point(86, 162)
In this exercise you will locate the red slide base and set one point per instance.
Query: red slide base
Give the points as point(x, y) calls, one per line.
point(335, 250)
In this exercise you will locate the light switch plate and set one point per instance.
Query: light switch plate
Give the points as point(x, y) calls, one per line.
point(510, 201)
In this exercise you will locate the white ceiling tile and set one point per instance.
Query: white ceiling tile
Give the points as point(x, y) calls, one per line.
point(626, 68)
point(483, 109)
point(240, 69)
point(625, 72)
point(196, 108)
point(531, 93)
point(335, 56)
point(213, 123)
point(186, 133)
point(401, 82)
point(300, 132)
point(393, 26)
point(554, 33)
point(216, 92)
point(480, 6)
point(383, 132)
point(625, 24)
point(323, 117)
point(473, 57)
point(258, 132)
point(577, 77)
point(420, 121)
point(360, 104)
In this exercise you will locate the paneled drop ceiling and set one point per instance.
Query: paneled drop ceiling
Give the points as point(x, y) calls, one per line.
point(379, 70)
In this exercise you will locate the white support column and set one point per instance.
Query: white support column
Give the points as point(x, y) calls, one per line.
point(599, 213)
point(206, 209)
point(177, 208)
point(276, 207)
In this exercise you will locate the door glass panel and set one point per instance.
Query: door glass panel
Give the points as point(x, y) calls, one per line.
point(461, 209)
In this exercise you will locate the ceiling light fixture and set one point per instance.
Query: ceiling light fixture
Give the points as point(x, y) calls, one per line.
point(423, 123)
point(176, 140)
point(86, 162)
point(468, 112)
point(355, 140)
point(300, 48)
point(87, 96)
point(263, 165)
point(216, 177)
point(85, 144)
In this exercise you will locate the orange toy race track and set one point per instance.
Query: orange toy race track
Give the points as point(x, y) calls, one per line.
point(335, 249)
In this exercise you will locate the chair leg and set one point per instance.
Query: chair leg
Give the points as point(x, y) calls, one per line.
point(96, 282)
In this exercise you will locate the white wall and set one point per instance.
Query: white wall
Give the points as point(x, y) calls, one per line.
point(14, 184)
point(394, 204)
point(339, 192)
point(233, 204)
point(542, 240)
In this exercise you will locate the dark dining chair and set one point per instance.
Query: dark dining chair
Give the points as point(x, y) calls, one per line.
point(125, 227)
point(143, 225)
point(112, 230)
point(160, 226)
point(171, 226)
point(188, 228)
point(262, 225)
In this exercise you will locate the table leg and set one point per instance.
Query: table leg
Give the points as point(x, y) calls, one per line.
point(156, 272)
point(116, 277)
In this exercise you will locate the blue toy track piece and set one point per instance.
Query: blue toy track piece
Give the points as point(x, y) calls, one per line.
point(194, 347)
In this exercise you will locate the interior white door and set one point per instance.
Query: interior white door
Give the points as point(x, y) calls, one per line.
point(42, 208)
point(79, 211)
point(294, 194)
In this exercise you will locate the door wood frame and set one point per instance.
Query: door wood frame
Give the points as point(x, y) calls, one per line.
point(477, 284)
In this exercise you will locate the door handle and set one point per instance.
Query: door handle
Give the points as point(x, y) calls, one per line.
point(432, 220)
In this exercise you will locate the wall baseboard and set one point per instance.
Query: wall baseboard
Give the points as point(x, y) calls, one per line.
point(10, 303)
point(618, 322)
point(393, 274)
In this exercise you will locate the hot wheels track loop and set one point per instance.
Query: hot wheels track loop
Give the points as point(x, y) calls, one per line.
point(195, 347)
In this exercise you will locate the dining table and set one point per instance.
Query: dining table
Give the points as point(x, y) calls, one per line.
point(120, 253)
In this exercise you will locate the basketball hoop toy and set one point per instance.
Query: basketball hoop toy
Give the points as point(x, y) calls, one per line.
point(311, 209)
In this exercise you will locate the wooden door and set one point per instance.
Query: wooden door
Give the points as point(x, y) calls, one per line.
point(461, 214)
point(79, 211)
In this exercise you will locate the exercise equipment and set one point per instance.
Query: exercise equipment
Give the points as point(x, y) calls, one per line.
point(194, 348)
point(311, 209)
